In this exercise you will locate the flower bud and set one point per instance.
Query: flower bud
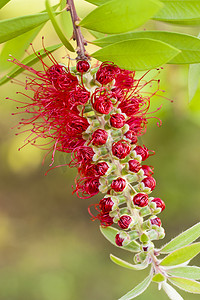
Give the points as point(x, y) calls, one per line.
point(117, 120)
point(101, 168)
point(149, 182)
point(82, 66)
point(148, 170)
point(106, 204)
point(131, 136)
point(99, 137)
point(106, 73)
point(143, 152)
point(121, 149)
point(134, 165)
point(105, 219)
point(125, 222)
point(159, 203)
point(140, 199)
point(156, 221)
point(118, 185)
point(122, 239)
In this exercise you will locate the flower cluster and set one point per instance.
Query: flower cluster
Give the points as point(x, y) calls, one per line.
point(97, 115)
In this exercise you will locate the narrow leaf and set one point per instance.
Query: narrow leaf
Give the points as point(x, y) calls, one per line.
point(183, 12)
point(193, 80)
point(65, 20)
point(11, 28)
point(118, 16)
point(187, 285)
point(110, 233)
point(139, 289)
point(28, 61)
point(3, 3)
point(181, 255)
point(138, 54)
point(96, 34)
point(189, 45)
point(17, 47)
point(189, 272)
point(127, 265)
point(98, 2)
point(60, 34)
point(183, 239)
point(171, 292)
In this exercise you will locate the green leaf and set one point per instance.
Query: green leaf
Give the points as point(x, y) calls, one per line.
point(3, 3)
point(189, 45)
point(138, 54)
point(118, 16)
point(11, 28)
point(183, 12)
point(28, 61)
point(139, 289)
point(189, 272)
point(65, 20)
point(59, 32)
point(127, 265)
point(193, 80)
point(183, 239)
point(187, 285)
point(96, 34)
point(181, 255)
point(98, 2)
point(171, 292)
point(17, 46)
point(110, 233)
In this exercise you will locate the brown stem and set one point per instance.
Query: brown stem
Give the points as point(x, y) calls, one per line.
point(77, 35)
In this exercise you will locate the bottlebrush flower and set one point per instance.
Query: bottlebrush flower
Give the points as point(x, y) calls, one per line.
point(97, 116)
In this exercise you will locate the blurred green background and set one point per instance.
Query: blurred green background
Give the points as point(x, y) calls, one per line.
point(49, 247)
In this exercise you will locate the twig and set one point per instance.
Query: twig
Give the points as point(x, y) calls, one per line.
point(77, 35)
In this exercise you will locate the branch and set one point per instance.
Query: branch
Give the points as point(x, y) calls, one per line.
point(77, 35)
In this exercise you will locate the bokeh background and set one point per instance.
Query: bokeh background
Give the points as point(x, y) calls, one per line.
point(49, 247)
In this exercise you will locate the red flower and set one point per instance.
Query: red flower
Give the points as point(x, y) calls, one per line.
point(99, 137)
point(81, 156)
point(137, 125)
point(82, 66)
point(156, 221)
point(118, 185)
point(106, 72)
point(159, 203)
point(124, 221)
point(101, 101)
point(148, 170)
point(101, 168)
point(87, 187)
point(121, 149)
point(141, 199)
point(125, 79)
point(134, 165)
point(105, 219)
point(117, 120)
point(131, 135)
point(118, 240)
point(143, 152)
point(106, 205)
point(149, 182)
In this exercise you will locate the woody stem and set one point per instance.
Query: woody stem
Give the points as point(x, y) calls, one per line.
point(77, 35)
